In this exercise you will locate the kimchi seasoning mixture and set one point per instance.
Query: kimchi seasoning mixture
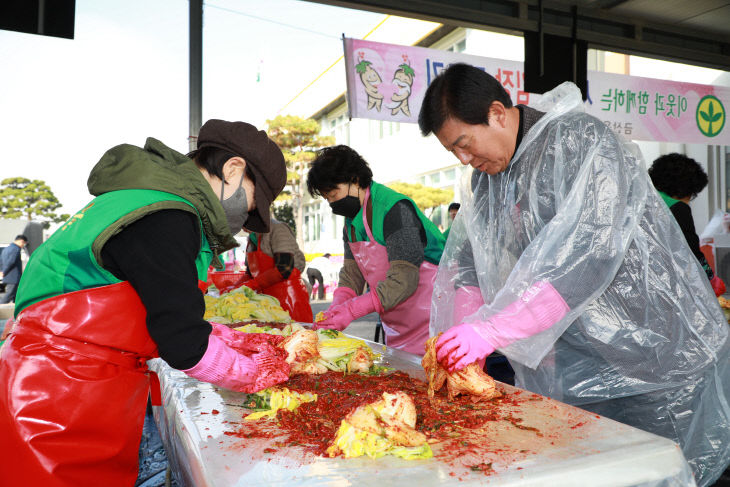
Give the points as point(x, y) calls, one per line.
point(458, 430)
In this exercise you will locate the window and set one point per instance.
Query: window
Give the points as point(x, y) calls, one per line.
point(339, 128)
point(375, 130)
point(458, 47)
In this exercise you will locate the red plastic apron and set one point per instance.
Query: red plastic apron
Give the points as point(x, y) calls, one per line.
point(291, 293)
point(73, 390)
point(405, 325)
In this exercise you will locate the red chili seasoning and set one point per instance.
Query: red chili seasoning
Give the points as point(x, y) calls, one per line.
point(456, 424)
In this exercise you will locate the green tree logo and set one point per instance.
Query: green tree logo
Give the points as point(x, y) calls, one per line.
point(710, 116)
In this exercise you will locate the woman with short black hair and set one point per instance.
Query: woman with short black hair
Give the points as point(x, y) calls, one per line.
point(391, 245)
point(679, 179)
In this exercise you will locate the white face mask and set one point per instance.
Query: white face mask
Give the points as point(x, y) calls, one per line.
point(235, 207)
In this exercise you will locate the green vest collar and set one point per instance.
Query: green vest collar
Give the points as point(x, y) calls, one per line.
point(160, 168)
point(668, 200)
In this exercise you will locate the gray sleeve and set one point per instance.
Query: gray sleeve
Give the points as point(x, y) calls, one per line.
point(399, 284)
point(346, 243)
point(350, 276)
point(405, 237)
point(467, 273)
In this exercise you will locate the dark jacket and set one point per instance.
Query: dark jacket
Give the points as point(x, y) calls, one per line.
point(10, 264)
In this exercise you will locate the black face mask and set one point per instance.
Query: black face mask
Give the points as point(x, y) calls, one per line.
point(348, 206)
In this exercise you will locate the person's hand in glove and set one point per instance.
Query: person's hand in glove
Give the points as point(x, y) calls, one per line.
point(226, 367)
point(717, 285)
point(539, 307)
point(228, 335)
point(342, 294)
point(339, 316)
point(267, 278)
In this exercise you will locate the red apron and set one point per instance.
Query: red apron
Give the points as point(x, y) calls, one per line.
point(406, 324)
point(73, 390)
point(291, 293)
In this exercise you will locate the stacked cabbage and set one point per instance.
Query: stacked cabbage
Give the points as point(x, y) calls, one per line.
point(243, 304)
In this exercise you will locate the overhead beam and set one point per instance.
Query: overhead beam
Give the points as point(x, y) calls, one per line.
point(598, 27)
point(195, 72)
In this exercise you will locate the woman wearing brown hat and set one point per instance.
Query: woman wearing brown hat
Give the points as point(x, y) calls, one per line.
point(275, 263)
point(117, 285)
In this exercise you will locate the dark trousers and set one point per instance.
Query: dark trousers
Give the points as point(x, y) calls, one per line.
point(498, 367)
point(9, 296)
point(315, 275)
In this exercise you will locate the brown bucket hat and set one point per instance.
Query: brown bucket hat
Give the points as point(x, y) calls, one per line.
point(262, 156)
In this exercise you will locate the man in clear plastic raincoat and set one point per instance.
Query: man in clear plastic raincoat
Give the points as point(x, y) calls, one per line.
point(566, 260)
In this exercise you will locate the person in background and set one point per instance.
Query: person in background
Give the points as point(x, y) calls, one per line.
point(117, 285)
point(679, 179)
point(453, 210)
point(11, 267)
point(565, 258)
point(389, 243)
point(233, 260)
point(315, 270)
point(275, 264)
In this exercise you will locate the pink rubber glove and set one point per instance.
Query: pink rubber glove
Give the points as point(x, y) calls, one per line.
point(338, 317)
point(467, 301)
point(222, 331)
point(539, 307)
point(223, 366)
point(342, 294)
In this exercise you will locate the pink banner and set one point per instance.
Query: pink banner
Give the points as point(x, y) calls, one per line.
point(387, 82)
point(653, 109)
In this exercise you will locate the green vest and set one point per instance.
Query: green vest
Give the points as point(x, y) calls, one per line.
point(383, 199)
point(70, 260)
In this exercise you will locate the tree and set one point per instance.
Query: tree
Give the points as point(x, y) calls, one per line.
point(299, 140)
point(426, 198)
point(32, 199)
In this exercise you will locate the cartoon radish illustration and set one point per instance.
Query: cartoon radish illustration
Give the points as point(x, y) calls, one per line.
point(402, 80)
point(370, 80)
